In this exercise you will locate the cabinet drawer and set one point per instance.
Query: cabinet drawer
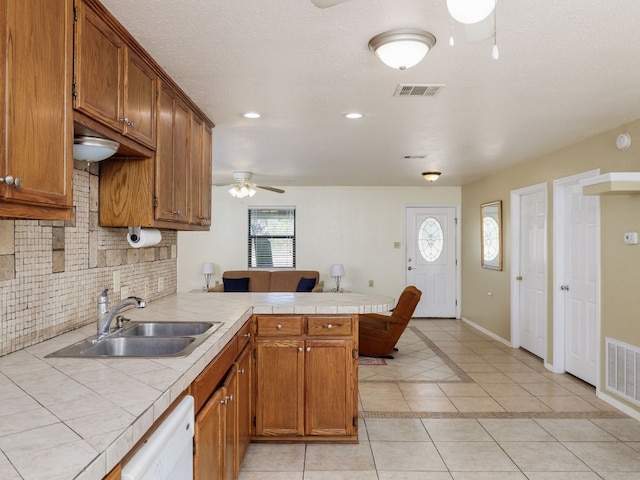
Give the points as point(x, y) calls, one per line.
point(280, 325)
point(329, 326)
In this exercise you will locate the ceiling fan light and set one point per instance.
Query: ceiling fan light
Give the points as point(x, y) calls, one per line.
point(431, 176)
point(402, 49)
point(470, 11)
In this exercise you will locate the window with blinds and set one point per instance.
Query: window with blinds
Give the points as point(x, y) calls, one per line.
point(272, 237)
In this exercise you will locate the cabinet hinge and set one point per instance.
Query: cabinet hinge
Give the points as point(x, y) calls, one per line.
point(75, 14)
point(255, 352)
point(355, 421)
point(354, 353)
point(74, 90)
point(155, 201)
point(157, 93)
point(254, 420)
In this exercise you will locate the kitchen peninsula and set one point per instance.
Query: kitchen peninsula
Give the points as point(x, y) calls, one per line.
point(64, 418)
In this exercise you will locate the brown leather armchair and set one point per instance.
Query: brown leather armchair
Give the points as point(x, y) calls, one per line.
point(380, 333)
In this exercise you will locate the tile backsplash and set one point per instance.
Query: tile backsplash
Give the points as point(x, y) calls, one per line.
point(51, 272)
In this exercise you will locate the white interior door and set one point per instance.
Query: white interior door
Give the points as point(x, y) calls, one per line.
point(431, 259)
point(533, 272)
point(578, 286)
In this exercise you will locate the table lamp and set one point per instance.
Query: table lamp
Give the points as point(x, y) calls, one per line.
point(207, 271)
point(337, 271)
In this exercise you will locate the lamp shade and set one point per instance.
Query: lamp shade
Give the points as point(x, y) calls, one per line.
point(207, 268)
point(402, 49)
point(470, 11)
point(337, 270)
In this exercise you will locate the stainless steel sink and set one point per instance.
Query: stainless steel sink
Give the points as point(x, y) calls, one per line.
point(144, 339)
point(167, 329)
point(138, 347)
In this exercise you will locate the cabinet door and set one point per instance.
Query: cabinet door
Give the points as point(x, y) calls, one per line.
point(205, 195)
point(244, 369)
point(140, 100)
point(231, 423)
point(36, 126)
point(280, 387)
point(171, 157)
point(99, 63)
point(329, 404)
point(209, 439)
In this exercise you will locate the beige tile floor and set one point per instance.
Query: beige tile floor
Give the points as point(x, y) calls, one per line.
point(456, 405)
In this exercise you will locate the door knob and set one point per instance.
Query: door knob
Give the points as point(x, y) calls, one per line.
point(409, 268)
point(564, 287)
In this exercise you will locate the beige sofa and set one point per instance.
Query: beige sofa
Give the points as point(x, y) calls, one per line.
point(271, 281)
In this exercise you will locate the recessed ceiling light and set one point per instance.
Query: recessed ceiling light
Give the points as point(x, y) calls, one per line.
point(251, 115)
point(353, 115)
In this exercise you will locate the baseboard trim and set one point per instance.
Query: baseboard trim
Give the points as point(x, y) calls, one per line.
point(623, 407)
point(486, 332)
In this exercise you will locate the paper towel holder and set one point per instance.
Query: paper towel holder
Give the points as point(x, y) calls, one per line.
point(134, 233)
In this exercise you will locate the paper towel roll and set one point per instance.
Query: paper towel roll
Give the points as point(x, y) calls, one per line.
point(144, 237)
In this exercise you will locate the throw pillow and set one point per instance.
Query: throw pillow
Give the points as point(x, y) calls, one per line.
point(236, 284)
point(306, 284)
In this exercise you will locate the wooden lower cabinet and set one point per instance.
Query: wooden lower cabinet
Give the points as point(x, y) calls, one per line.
point(306, 378)
point(222, 428)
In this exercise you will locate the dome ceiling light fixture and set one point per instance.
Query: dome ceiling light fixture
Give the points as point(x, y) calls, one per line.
point(431, 176)
point(93, 149)
point(402, 49)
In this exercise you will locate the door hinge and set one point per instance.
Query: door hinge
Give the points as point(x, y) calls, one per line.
point(456, 302)
point(75, 14)
point(74, 90)
point(456, 221)
point(155, 201)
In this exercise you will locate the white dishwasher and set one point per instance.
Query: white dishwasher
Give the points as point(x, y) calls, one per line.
point(168, 453)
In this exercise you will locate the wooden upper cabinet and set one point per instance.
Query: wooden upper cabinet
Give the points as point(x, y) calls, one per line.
point(200, 171)
point(172, 155)
point(113, 85)
point(36, 162)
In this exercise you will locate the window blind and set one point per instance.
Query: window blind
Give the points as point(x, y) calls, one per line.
point(272, 237)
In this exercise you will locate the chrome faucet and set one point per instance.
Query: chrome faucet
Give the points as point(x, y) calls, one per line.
point(105, 316)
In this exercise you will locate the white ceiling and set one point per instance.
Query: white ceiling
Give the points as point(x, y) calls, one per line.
point(567, 70)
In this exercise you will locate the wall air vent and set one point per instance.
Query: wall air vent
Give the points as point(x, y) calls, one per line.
point(417, 90)
point(623, 370)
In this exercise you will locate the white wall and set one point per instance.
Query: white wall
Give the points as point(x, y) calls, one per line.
point(355, 226)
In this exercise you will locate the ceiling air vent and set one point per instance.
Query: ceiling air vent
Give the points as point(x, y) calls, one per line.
point(418, 90)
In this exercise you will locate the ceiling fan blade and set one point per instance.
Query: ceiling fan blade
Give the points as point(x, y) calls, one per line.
point(327, 3)
point(271, 189)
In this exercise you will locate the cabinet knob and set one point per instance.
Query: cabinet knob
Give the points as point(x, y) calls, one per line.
point(124, 120)
point(279, 327)
point(299, 349)
point(10, 180)
point(178, 212)
point(248, 335)
point(329, 326)
point(241, 371)
point(131, 124)
point(308, 349)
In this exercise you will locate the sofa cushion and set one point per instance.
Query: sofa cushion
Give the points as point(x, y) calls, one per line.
point(306, 284)
point(287, 280)
point(236, 284)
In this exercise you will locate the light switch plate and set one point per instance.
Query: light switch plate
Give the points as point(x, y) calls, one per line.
point(631, 238)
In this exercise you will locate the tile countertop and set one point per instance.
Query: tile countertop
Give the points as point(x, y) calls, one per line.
point(67, 418)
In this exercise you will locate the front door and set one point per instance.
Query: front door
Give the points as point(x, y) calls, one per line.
point(431, 259)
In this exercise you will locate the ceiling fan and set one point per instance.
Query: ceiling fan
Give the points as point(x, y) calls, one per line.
point(244, 187)
point(327, 3)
